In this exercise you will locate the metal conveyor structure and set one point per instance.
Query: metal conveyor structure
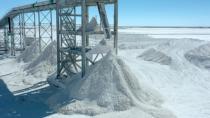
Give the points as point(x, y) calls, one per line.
point(35, 22)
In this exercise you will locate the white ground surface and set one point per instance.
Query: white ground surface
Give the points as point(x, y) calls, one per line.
point(109, 86)
point(195, 33)
point(184, 86)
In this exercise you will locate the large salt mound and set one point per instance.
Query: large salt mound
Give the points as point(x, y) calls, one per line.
point(156, 56)
point(200, 56)
point(108, 86)
point(45, 62)
point(30, 53)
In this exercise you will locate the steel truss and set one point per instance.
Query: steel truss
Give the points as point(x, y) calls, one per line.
point(30, 25)
point(71, 51)
point(72, 43)
point(18, 33)
point(6, 38)
point(45, 28)
point(3, 42)
point(1, 38)
point(67, 56)
point(22, 26)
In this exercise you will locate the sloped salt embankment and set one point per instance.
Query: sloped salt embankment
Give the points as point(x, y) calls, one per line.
point(108, 86)
point(30, 53)
point(200, 56)
point(45, 62)
point(153, 55)
point(39, 64)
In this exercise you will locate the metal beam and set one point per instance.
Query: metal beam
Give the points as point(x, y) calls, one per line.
point(6, 38)
point(12, 49)
point(46, 5)
point(104, 20)
point(58, 41)
point(116, 26)
point(84, 26)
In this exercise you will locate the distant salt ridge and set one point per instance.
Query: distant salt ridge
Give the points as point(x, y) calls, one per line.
point(108, 86)
point(155, 56)
point(200, 56)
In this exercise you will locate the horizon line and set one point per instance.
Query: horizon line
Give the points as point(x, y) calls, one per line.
point(164, 26)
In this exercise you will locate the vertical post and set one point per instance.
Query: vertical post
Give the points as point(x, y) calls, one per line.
point(75, 28)
point(84, 37)
point(87, 36)
point(12, 36)
point(23, 30)
point(87, 21)
point(39, 25)
point(51, 26)
point(116, 26)
point(20, 31)
point(34, 24)
point(58, 39)
point(5, 39)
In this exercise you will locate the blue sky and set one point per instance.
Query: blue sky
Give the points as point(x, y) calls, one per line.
point(149, 12)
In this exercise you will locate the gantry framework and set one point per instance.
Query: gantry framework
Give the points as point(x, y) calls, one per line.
point(32, 22)
point(36, 21)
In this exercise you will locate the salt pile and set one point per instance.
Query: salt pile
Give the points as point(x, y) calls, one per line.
point(45, 62)
point(156, 56)
point(200, 56)
point(102, 48)
point(108, 86)
point(30, 53)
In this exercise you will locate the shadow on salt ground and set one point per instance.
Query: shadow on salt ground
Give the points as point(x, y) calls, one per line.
point(28, 105)
point(3, 56)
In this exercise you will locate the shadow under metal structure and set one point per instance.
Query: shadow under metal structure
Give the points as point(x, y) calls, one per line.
point(36, 21)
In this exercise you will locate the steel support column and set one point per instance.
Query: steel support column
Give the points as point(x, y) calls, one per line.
point(58, 40)
point(6, 39)
point(84, 26)
point(12, 49)
point(116, 26)
point(87, 35)
point(23, 31)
